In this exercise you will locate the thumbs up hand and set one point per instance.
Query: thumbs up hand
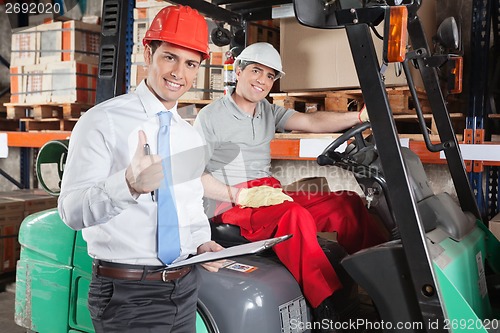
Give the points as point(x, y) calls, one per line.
point(144, 173)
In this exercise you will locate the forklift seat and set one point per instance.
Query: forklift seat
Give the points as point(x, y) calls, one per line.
point(226, 234)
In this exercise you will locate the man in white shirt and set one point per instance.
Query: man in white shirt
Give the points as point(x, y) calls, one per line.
point(110, 186)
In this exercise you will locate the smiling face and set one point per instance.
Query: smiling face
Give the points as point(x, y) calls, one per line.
point(254, 82)
point(171, 71)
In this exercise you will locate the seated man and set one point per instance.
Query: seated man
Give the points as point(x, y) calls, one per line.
point(238, 129)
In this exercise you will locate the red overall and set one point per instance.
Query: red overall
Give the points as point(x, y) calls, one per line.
point(309, 213)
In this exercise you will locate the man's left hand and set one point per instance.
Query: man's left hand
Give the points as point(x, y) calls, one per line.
point(211, 246)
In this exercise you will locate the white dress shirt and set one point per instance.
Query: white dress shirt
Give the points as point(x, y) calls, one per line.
point(95, 196)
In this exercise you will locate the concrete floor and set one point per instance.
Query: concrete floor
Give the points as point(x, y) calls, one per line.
point(7, 323)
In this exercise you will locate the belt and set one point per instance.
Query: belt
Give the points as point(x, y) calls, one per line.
point(137, 272)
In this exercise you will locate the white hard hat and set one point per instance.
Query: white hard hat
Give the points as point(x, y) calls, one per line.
point(264, 54)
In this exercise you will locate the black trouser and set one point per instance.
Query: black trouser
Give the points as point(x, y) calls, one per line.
point(144, 306)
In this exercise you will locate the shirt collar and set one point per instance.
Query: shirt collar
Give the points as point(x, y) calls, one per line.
point(236, 110)
point(152, 105)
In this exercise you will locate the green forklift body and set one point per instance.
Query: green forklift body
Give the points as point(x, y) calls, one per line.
point(44, 271)
point(460, 271)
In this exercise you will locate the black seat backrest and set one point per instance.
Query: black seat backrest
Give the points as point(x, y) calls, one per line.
point(226, 235)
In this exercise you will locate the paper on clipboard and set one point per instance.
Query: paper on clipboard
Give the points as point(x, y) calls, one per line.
point(239, 250)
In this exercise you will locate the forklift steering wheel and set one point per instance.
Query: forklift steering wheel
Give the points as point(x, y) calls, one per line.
point(329, 156)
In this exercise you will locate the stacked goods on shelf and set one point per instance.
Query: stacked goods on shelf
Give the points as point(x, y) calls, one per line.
point(55, 62)
point(53, 74)
point(144, 13)
point(216, 75)
point(264, 31)
point(11, 216)
point(55, 82)
point(400, 99)
point(149, 3)
point(14, 207)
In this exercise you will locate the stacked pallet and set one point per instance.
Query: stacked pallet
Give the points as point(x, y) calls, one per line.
point(48, 116)
point(53, 74)
point(400, 99)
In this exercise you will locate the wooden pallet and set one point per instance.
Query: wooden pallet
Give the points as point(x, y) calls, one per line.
point(8, 124)
point(402, 120)
point(400, 100)
point(48, 124)
point(44, 111)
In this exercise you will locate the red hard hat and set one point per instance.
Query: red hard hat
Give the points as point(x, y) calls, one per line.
point(182, 26)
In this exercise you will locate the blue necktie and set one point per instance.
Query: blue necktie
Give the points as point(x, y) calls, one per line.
point(168, 224)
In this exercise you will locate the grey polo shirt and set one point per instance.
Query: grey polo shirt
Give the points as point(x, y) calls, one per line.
point(239, 144)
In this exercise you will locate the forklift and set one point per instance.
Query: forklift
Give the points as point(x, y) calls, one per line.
point(439, 272)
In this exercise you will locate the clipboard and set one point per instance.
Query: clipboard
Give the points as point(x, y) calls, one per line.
point(233, 251)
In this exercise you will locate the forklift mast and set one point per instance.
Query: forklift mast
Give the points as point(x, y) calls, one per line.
point(113, 56)
point(399, 187)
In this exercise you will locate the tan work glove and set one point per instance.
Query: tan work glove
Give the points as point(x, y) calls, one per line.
point(145, 173)
point(261, 196)
point(363, 115)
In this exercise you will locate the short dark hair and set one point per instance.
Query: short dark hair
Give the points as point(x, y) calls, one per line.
point(154, 45)
point(245, 63)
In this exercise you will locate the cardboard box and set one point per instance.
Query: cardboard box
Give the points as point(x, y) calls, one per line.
point(81, 42)
point(17, 89)
point(216, 58)
point(36, 84)
point(11, 207)
point(72, 82)
point(9, 246)
point(36, 73)
point(55, 42)
point(29, 201)
point(494, 226)
point(263, 31)
point(316, 59)
point(58, 82)
point(23, 46)
point(50, 44)
point(11, 216)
